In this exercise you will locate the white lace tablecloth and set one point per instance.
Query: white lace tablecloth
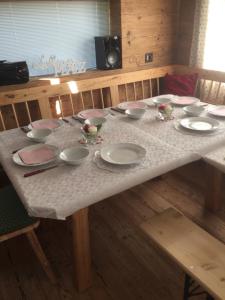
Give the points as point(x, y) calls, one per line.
point(60, 192)
point(216, 158)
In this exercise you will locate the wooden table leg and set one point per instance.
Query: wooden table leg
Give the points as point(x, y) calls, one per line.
point(213, 190)
point(81, 249)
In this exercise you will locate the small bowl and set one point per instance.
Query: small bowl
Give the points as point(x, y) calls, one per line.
point(95, 121)
point(193, 110)
point(74, 155)
point(158, 101)
point(135, 113)
point(39, 135)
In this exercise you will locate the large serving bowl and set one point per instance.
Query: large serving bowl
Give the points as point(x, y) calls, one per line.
point(39, 135)
point(74, 155)
point(193, 110)
point(135, 113)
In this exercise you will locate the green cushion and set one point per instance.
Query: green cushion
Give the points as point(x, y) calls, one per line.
point(13, 215)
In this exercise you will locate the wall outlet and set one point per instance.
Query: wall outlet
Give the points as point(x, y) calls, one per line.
point(148, 57)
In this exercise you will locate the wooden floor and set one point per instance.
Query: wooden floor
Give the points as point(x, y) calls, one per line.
point(126, 266)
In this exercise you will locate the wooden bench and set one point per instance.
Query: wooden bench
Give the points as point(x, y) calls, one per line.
point(199, 254)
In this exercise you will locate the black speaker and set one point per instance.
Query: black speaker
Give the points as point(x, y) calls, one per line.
point(108, 52)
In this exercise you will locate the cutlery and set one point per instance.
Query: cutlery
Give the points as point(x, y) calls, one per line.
point(76, 118)
point(117, 109)
point(39, 171)
point(14, 151)
point(24, 129)
point(66, 121)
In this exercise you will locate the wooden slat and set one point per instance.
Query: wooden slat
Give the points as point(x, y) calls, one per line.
point(157, 82)
point(92, 99)
point(150, 87)
point(143, 92)
point(15, 115)
point(71, 101)
point(197, 252)
point(60, 104)
point(210, 90)
point(28, 111)
point(218, 90)
point(102, 98)
point(126, 92)
point(2, 120)
point(44, 108)
point(135, 94)
point(82, 100)
point(114, 95)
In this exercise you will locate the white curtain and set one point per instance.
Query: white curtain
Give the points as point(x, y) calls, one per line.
point(214, 54)
point(199, 33)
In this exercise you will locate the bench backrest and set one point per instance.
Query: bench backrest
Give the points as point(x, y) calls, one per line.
point(46, 98)
point(197, 252)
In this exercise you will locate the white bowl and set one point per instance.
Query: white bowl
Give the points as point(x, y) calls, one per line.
point(135, 113)
point(95, 121)
point(193, 110)
point(74, 155)
point(158, 101)
point(39, 135)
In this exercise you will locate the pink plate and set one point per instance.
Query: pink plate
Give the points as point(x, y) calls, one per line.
point(184, 100)
point(218, 111)
point(92, 113)
point(132, 104)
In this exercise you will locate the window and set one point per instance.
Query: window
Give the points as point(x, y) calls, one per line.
point(66, 29)
point(214, 52)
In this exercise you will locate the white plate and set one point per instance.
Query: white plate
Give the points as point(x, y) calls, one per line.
point(218, 111)
point(92, 113)
point(17, 160)
point(59, 122)
point(132, 104)
point(184, 101)
point(123, 153)
point(200, 124)
point(151, 101)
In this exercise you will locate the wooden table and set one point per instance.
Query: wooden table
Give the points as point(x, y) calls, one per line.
point(42, 196)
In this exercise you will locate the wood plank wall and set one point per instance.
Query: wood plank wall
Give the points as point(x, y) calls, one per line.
point(149, 26)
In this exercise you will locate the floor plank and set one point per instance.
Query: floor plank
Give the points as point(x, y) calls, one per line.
point(126, 265)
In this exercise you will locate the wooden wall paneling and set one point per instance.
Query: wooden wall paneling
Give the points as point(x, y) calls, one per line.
point(150, 26)
point(115, 17)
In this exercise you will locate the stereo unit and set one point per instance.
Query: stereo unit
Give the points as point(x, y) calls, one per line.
point(13, 72)
point(108, 52)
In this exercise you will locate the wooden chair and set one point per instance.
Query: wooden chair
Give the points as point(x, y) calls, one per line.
point(15, 221)
point(199, 254)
